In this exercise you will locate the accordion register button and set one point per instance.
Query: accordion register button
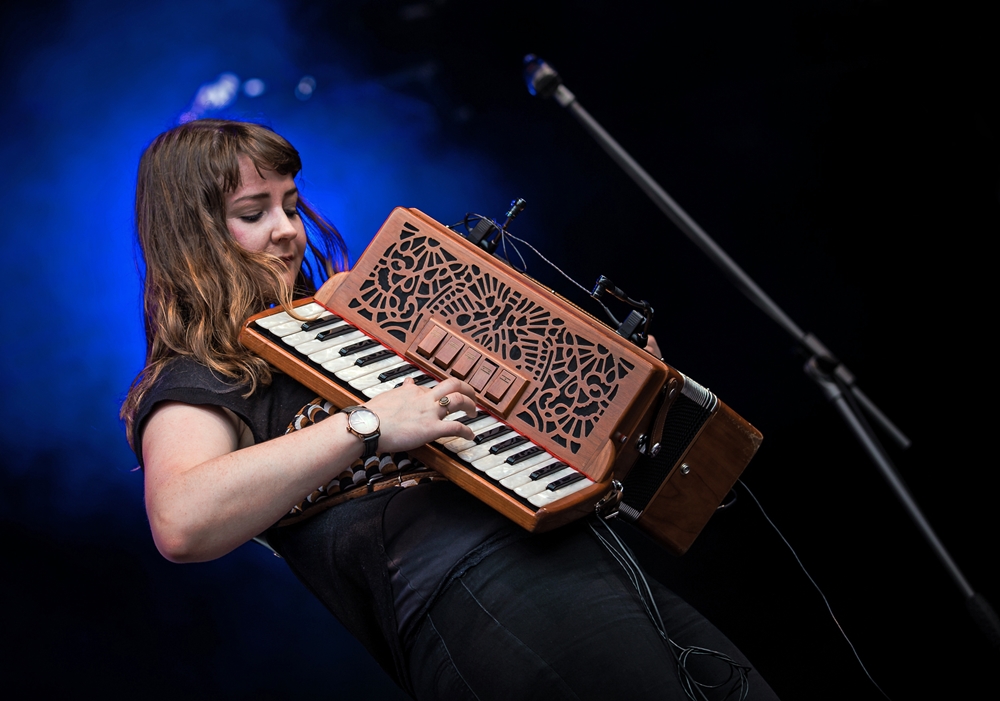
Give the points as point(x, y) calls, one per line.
point(448, 351)
point(482, 375)
point(500, 385)
point(463, 366)
point(431, 341)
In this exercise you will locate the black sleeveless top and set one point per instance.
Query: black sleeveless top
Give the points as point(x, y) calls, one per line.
point(377, 562)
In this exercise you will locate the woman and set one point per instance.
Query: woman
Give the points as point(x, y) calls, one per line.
point(452, 599)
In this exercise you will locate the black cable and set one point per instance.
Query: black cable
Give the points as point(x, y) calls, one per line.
point(815, 585)
point(694, 689)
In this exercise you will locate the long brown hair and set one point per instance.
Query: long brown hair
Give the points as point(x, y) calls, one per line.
point(199, 284)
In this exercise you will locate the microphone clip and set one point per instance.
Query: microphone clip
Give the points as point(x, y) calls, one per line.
point(636, 325)
point(484, 233)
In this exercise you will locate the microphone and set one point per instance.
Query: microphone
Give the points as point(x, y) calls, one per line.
point(543, 81)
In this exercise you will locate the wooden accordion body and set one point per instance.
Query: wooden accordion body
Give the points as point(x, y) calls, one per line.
point(542, 366)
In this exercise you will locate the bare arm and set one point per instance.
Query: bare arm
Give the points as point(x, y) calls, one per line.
point(205, 495)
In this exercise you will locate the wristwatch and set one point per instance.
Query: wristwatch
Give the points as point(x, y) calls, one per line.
point(363, 423)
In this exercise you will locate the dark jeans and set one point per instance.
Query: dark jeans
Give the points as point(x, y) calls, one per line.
point(554, 617)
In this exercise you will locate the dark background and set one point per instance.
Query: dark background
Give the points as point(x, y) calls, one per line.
point(844, 153)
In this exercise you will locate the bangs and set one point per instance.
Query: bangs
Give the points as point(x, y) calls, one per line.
point(265, 149)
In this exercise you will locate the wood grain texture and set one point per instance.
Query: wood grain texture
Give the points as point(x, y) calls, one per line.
point(687, 498)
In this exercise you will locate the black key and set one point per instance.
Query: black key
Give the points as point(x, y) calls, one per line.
point(394, 373)
point(374, 357)
point(469, 418)
point(492, 433)
point(359, 346)
point(320, 323)
point(523, 455)
point(419, 380)
point(547, 470)
point(504, 446)
point(334, 333)
point(568, 479)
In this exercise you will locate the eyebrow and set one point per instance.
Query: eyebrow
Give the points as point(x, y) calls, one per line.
point(263, 196)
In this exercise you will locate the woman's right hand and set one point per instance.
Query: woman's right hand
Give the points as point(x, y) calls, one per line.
point(411, 415)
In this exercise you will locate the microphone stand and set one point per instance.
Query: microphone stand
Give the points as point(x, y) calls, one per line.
point(834, 379)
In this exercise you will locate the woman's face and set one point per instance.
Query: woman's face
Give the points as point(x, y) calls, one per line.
point(262, 216)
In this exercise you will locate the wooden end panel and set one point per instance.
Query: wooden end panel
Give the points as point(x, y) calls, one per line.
point(684, 503)
point(329, 288)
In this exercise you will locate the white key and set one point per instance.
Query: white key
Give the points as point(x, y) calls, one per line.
point(477, 452)
point(297, 339)
point(306, 310)
point(289, 327)
point(481, 424)
point(378, 389)
point(371, 379)
point(269, 322)
point(495, 466)
point(312, 310)
point(546, 497)
point(322, 351)
point(339, 362)
point(355, 372)
point(523, 477)
point(533, 487)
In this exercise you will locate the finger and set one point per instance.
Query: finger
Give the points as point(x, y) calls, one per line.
point(459, 402)
point(445, 404)
point(454, 428)
point(453, 384)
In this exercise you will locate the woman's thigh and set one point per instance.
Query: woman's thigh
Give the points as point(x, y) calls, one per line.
point(555, 617)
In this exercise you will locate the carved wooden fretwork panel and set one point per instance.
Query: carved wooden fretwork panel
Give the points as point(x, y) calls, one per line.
point(575, 380)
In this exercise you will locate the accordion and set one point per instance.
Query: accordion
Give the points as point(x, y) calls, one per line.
point(572, 416)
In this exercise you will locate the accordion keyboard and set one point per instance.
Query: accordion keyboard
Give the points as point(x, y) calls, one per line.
point(365, 368)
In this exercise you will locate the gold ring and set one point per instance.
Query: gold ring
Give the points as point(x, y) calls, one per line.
point(445, 400)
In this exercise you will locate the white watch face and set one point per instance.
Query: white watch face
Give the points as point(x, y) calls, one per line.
point(363, 421)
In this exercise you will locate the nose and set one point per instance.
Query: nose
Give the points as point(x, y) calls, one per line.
point(284, 228)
